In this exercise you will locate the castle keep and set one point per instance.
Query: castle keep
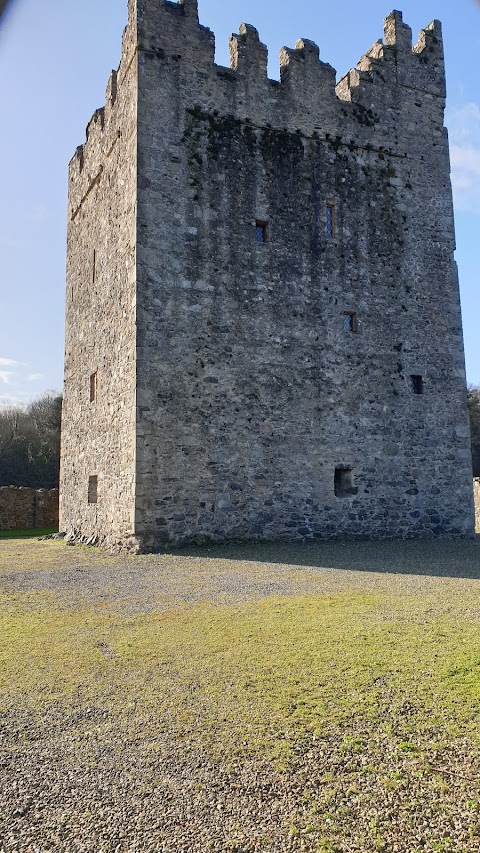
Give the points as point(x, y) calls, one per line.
point(263, 331)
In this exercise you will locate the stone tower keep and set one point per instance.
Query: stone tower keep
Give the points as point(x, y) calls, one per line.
point(263, 322)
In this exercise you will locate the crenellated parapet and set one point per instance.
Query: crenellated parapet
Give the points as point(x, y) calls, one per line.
point(397, 34)
point(248, 56)
point(111, 93)
point(173, 29)
point(302, 71)
point(392, 79)
point(394, 63)
point(107, 124)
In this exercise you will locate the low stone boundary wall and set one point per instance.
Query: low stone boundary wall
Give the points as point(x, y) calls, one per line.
point(26, 508)
point(476, 493)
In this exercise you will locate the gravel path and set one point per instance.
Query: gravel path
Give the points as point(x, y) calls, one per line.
point(82, 778)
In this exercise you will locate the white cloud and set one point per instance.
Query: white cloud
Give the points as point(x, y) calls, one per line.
point(464, 128)
point(16, 375)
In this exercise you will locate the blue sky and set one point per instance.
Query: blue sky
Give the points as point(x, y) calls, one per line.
point(55, 59)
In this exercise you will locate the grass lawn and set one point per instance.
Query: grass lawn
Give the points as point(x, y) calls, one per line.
point(28, 533)
point(360, 688)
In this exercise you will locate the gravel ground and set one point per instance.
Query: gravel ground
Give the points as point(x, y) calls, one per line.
point(226, 575)
point(82, 778)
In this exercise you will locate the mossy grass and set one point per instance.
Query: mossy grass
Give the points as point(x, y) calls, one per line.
point(361, 687)
point(257, 677)
point(27, 533)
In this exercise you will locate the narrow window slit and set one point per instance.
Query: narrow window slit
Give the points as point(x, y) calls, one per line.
point(93, 387)
point(350, 322)
point(417, 383)
point(261, 231)
point(93, 489)
point(330, 220)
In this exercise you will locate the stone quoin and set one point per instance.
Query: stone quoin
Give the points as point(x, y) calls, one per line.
point(263, 328)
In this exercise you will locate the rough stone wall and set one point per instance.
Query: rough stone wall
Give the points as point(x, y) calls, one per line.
point(250, 392)
point(254, 404)
point(22, 508)
point(98, 436)
point(46, 508)
point(476, 492)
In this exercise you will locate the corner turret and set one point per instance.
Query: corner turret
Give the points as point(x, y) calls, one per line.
point(395, 63)
point(429, 49)
point(173, 29)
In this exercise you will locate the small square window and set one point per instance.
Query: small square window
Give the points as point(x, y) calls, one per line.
point(417, 383)
point(343, 482)
point(261, 231)
point(93, 489)
point(350, 322)
point(93, 387)
point(330, 220)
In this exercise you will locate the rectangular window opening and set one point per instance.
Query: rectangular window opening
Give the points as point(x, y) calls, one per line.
point(350, 322)
point(93, 489)
point(344, 485)
point(94, 266)
point(93, 387)
point(261, 231)
point(417, 383)
point(330, 220)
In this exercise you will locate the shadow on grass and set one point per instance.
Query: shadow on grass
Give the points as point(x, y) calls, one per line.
point(458, 558)
point(29, 533)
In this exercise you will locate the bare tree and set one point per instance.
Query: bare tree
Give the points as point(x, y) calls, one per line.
point(8, 429)
point(473, 399)
point(30, 443)
point(4, 4)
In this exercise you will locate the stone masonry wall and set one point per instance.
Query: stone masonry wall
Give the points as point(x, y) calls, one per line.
point(98, 435)
point(235, 397)
point(476, 492)
point(252, 396)
point(22, 508)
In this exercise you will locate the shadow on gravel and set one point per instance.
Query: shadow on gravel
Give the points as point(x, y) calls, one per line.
point(437, 558)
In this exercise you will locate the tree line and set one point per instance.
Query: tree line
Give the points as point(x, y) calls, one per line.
point(473, 399)
point(30, 441)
